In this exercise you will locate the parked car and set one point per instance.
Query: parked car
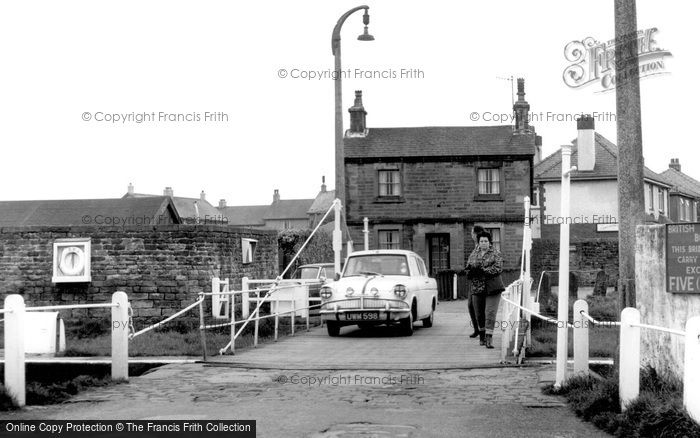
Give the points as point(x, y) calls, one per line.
point(314, 275)
point(380, 287)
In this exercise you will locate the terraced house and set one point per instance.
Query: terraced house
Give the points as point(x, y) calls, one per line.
point(423, 188)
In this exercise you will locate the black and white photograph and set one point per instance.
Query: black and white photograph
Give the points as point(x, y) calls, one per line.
point(326, 219)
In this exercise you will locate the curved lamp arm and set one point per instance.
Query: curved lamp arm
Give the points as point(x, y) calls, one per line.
point(335, 40)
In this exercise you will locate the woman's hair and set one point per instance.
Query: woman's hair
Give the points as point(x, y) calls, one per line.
point(478, 229)
point(485, 234)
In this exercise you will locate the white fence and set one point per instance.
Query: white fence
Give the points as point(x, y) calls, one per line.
point(630, 358)
point(15, 314)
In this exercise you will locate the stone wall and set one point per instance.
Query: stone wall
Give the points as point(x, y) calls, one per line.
point(587, 257)
point(663, 351)
point(161, 268)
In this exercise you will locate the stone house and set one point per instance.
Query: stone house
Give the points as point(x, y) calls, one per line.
point(423, 188)
point(685, 194)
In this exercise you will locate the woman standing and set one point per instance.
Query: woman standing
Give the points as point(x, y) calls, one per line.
point(484, 269)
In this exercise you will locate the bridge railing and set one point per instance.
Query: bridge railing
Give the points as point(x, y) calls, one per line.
point(14, 324)
point(630, 353)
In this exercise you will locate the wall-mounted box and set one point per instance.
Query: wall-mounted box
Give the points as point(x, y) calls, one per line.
point(71, 260)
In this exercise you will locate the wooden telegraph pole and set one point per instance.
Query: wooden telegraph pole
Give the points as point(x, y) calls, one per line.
point(630, 160)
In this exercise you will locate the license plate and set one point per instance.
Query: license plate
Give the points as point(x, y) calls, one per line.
point(362, 316)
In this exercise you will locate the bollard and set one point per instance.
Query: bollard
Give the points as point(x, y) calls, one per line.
point(257, 316)
point(691, 376)
point(277, 315)
point(580, 338)
point(629, 356)
point(14, 349)
point(120, 336)
point(294, 309)
point(233, 324)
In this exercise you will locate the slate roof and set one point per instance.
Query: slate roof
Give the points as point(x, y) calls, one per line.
point(288, 209)
point(322, 202)
point(185, 206)
point(605, 166)
point(439, 141)
point(245, 215)
point(682, 183)
point(71, 212)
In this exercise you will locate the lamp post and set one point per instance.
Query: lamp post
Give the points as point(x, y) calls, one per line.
point(339, 151)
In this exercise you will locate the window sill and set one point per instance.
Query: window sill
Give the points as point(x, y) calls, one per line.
point(389, 199)
point(483, 198)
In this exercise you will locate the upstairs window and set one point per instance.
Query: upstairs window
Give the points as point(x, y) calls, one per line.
point(389, 182)
point(662, 195)
point(489, 181)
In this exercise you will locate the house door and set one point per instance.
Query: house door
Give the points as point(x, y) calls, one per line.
point(438, 252)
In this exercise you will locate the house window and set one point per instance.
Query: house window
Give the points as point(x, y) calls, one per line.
point(389, 182)
point(535, 197)
point(248, 246)
point(489, 181)
point(695, 211)
point(662, 194)
point(287, 224)
point(687, 211)
point(389, 239)
point(650, 197)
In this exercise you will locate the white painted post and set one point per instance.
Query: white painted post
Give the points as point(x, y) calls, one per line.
point(630, 339)
point(294, 309)
point(563, 294)
point(245, 302)
point(120, 336)
point(691, 371)
point(527, 281)
point(454, 287)
point(233, 323)
point(337, 236)
point(277, 315)
point(366, 232)
point(61, 335)
point(580, 338)
point(14, 349)
point(257, 316)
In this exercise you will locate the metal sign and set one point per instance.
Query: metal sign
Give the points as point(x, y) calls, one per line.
point(683, 258)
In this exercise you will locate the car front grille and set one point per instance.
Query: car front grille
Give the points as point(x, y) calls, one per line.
point(364, 303)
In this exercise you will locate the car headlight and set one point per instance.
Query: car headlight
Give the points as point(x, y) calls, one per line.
point(349, 291)
point(400, 290)
point(326, 292)
point(374, 291)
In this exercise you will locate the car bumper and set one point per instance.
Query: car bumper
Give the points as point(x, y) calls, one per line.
point(355, 310)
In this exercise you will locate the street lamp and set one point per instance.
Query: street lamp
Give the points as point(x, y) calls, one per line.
point(339, 150)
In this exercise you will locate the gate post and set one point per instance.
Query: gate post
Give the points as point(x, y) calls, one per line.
point(629, 356)
point(691, 378)
point(580, 338)
point(14, 349)
point(245, 306)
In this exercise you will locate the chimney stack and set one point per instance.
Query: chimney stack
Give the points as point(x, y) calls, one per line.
point(323, 184)
point(130, 189)
point(521, 109)
point(168, 191)
point(203, 196)
point(276, 196)
point(586, 143)
point(358, 125)
point(675, 164)
point(222, 203)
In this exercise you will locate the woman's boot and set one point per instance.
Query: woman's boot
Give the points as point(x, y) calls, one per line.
point(488, 341)
point(482, 337)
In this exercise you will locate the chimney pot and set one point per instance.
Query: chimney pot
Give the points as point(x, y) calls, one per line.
point(168, 191)
point(521, 109)
point(203, 196)
point(675, 164)
point(222, 203)
point(585, 122)
point(323, 184)
point(130, 189)
point(358, 115)
point(276, 196)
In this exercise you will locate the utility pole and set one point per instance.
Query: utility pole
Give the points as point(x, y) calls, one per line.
point(630, 160)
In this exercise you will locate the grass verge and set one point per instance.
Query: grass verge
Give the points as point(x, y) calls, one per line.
point(47, 394)
point(657, 412)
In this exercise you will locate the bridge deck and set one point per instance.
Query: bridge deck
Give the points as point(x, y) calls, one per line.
point(445, 345)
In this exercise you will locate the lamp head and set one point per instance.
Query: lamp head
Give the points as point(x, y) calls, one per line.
point(365, 36)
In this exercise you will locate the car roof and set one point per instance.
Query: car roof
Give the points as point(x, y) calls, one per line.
point(384, 252)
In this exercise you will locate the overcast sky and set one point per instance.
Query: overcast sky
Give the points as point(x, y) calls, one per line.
point(62, 60)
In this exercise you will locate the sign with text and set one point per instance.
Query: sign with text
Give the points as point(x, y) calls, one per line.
point(683, 258)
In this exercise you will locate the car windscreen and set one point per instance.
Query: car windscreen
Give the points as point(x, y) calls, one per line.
point(308, 273)
point(384, 264)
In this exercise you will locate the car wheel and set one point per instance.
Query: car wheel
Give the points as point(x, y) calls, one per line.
point(428, 322)
point(407, 325)
point(333, 328)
